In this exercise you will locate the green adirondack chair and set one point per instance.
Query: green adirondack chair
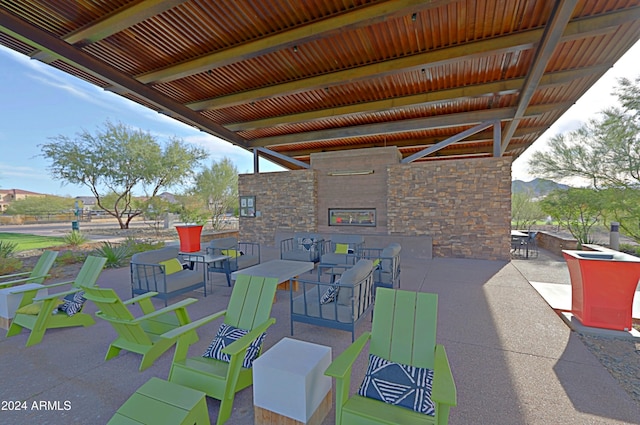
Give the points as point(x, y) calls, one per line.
point(41, 316)
point(249, 309)
point(37, 275)
point(403, 331)
point(144, 334)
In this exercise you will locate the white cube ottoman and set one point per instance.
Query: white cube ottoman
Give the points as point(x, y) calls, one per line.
point(289, 383)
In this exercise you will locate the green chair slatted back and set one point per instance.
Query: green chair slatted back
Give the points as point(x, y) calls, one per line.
point(39, 272)
point(91, 269)
point(142, 335)
point(45, 319)
point(404, 327)
point(251, 301)
point(249, 308)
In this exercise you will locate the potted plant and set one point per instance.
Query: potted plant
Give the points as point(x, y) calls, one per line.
point(191, 229)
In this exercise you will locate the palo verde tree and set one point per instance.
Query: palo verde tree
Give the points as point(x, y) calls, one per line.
point(525, 210)
point(216, 189)
point(118, 159)
point(605, 152)
point(577, 209)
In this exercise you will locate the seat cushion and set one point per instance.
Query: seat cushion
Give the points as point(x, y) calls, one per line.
point(181, 280)
point(228, 334)
point(155, 256)
point(398, 384)
point(245, 261)
point(351, 277)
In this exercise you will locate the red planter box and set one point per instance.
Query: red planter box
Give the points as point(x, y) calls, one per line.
point(189, 238)
point(603, 284)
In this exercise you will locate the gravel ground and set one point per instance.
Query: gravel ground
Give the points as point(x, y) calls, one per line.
point(621, 358)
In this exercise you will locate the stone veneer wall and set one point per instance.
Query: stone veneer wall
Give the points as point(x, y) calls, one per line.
point(464, 205)
point(354, 191)
point(284, 201)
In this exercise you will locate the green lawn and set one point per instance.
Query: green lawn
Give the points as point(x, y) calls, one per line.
point(26, 242)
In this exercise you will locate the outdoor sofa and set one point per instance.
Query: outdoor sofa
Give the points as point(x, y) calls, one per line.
point(303, 246)
point(162, 271)
point(241, 255)
point(338, 304)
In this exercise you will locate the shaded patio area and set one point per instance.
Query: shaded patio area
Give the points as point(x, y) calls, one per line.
point(513, 359)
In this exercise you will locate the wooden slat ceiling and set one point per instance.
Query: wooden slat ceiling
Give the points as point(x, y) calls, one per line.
point(294, 77)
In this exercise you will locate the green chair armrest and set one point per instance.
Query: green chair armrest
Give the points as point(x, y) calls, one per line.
point(25, 280)
point(57, 295)
point(11, 276)
point(144, 301)
point(20, 289)
point(181, 304)
point(179, 331)
point(55, 285)
point(140, 298)
point(340, 368)
point(444, 388)
point(243, 343)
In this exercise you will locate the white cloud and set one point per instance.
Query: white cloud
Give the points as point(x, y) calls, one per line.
point(22, 172)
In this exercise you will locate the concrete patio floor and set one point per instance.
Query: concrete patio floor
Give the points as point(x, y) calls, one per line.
point(513, 358)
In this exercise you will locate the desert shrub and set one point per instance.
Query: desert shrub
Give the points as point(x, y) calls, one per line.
point(75, 238)
point(630, 249)
point(70, 257)
point(116, 254)
point(7, 249)
point(136, 246)
point(9, 265)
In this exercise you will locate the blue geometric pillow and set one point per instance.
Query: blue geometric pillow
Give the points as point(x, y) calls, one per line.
point(228, 334)
point(73, 303)
point(398, 384)
point(330, 294)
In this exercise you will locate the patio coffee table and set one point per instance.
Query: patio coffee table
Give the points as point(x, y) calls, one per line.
point(283, 270)
point(202, 258)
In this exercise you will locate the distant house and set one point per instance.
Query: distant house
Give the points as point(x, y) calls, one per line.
point(7, 196)
point(88, 203)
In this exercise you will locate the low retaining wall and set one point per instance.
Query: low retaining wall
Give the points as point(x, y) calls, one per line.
point(555, 243)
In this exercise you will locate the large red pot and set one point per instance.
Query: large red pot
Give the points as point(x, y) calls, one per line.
point(189, 237)
point(602, 287)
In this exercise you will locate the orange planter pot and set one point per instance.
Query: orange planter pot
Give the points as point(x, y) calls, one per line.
point(602, 287)
point(189, 238)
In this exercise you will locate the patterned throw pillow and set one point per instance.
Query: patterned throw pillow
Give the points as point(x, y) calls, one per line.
point(306, 244)
point(398, 384)
point(228, 334)
point(330, 294)
point(73, 303)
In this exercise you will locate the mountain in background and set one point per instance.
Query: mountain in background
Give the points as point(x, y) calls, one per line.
point(536, 187)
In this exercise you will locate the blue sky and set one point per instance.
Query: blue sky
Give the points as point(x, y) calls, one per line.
point(39, 102)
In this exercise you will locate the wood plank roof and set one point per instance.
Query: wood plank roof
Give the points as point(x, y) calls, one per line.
point(294, 77)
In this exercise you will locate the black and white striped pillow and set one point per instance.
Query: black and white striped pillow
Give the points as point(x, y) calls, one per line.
point(228, 334)
point(73, 303)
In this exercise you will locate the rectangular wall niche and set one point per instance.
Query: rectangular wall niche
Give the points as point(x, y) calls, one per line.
point(352, 217)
